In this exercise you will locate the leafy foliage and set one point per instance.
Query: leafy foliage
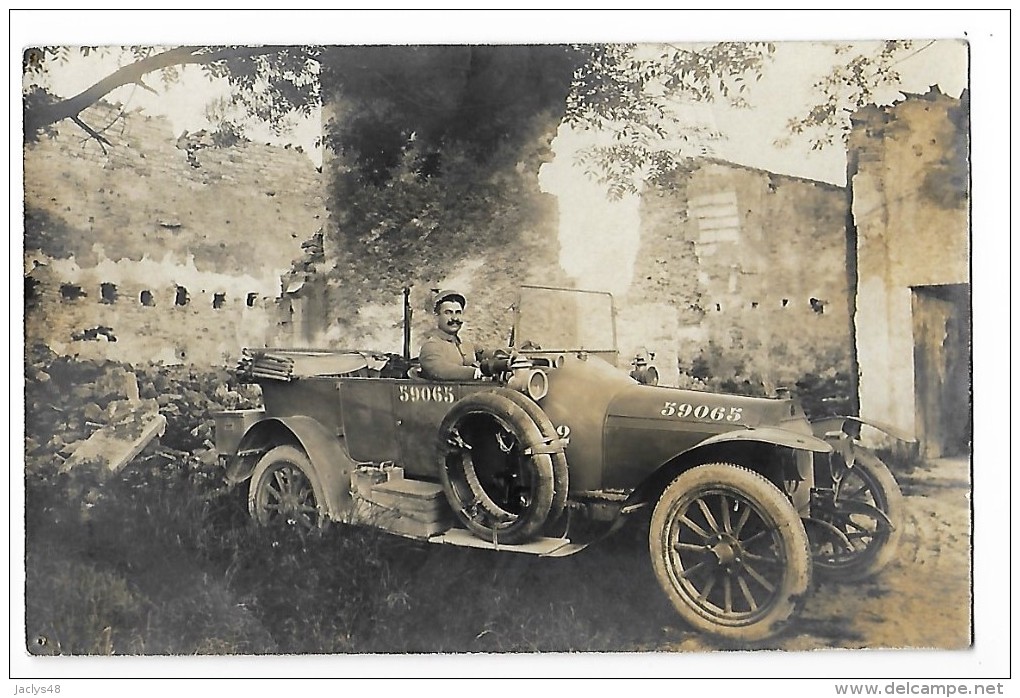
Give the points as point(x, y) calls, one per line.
point(271, 82)
point(852, 83)
point(630, 88)
point(476, 100)
point(630, 93)
point(273, 85)
point(432, 154)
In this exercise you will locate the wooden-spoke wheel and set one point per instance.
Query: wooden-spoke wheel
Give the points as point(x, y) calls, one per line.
point(856, 526)
point(730, 552)
point(283, 490)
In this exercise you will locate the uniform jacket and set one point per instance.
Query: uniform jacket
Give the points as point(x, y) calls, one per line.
point(445, 357)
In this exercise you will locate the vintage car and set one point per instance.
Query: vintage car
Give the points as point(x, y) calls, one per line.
point(559, 447)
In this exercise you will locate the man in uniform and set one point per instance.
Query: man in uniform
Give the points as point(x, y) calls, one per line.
point(443, 355)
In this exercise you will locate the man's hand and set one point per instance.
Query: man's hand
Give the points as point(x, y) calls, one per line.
point(478, 373)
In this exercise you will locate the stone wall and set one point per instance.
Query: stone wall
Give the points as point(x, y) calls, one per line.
point(147, 311)
point(909, 179)
point(745, 274)
point(153, 213)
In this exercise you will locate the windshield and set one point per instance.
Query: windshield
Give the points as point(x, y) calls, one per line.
point(556, 319)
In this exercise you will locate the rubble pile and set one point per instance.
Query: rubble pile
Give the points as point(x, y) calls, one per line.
point(68, 400)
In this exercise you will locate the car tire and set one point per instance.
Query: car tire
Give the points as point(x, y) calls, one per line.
point(730, 552)
point(873, 539)
point(284, 490)
point(561, 479)
point(496, 487)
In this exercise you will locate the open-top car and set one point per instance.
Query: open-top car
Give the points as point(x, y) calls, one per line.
point(559, 447)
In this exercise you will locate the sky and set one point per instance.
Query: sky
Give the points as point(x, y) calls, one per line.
point(990, 80)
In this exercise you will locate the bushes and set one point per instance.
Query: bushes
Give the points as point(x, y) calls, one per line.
point(826, 393)
point(823, 390)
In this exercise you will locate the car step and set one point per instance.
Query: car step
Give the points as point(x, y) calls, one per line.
point(543, 547)
point(384, 499)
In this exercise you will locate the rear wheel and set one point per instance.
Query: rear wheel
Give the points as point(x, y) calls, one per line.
point(283, 490)
point(730, 552)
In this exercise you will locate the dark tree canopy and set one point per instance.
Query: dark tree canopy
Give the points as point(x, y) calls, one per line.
point(479, 99)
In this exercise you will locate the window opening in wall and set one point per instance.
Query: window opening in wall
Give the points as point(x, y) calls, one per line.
point(145, 298)
point(108, 292)
point(786, 302)
point(72, 292)
point(252, 297)
point(218, 300)
point(754, 304)
point(718, 307)
point(182, 296)
point(817, 305)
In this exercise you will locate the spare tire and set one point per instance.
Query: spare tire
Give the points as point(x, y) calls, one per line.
point(561, 482)
point(498, 486)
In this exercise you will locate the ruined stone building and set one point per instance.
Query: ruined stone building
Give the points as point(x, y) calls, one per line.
point(909, 182)
point(149, 249)
point(746, 272)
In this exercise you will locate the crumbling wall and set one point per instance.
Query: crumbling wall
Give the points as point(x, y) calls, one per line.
point(909, 179)
point(147, 311)
point(745, 271)
point(151, 214)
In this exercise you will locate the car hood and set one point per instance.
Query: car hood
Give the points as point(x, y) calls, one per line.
point(698, 410)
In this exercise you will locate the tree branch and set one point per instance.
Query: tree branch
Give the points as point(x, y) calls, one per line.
point(92, 132)
point(141, 83)
point(42, 116)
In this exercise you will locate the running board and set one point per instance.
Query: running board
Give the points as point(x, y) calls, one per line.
point(543, 547)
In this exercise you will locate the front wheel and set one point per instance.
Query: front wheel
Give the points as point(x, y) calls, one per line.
point(855, 529)
point(730, 552)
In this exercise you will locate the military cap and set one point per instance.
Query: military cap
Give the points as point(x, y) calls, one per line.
point(448, 295)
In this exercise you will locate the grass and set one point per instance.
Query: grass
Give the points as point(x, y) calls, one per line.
point(165, 563)
point(124, 576)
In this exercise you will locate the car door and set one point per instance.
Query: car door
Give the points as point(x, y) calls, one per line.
point(394, 419)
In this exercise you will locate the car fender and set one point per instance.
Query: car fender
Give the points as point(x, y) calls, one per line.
point(644, 493)
point(771, 435)
point(828, 427)
point(329, 460)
